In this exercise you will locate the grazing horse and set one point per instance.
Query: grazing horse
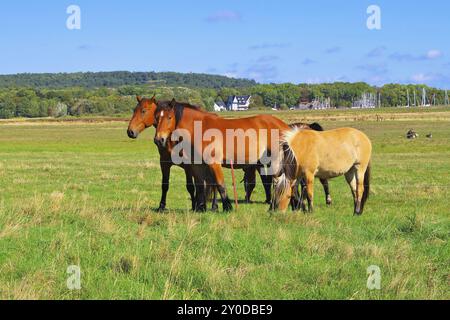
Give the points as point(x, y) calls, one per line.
point(308, 154)
point(243, 156)
point(298, 200)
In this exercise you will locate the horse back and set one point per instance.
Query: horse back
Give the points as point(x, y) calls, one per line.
point(332, 152)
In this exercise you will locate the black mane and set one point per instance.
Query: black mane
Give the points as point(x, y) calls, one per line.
point(166, 104)
point(179, 108)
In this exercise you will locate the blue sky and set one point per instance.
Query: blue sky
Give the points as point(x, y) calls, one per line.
point(269, 41)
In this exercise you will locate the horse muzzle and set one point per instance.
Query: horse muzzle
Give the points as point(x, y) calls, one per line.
point(161, 142)
point(132, 134)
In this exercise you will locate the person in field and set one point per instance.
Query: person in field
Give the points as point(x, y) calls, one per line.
point(307, 154)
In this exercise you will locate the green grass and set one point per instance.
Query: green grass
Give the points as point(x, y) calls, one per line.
point(84, 194)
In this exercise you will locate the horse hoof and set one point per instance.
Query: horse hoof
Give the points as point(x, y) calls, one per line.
point(161, 209)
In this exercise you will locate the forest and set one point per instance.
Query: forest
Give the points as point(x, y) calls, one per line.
point(113, 93)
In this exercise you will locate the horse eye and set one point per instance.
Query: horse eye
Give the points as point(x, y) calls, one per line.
point(144, 111)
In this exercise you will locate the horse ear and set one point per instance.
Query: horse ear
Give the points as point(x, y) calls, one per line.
point(139, 99)
point(154, 97)
point(173, 103)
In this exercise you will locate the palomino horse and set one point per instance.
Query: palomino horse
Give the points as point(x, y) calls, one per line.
point(187, 118)
point(307, 154)
point(143, 118)
point(298, 200)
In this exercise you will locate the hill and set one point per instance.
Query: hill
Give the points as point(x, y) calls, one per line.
point(120, 78)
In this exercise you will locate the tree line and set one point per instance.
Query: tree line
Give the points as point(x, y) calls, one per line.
point(119, 78)
point(41, 101)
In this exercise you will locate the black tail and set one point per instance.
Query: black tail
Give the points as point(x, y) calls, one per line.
point(366, 187)
point(316, 127)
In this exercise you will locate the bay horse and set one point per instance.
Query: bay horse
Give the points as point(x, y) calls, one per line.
point(143, 118)
point(308, 154)
point(184, 117)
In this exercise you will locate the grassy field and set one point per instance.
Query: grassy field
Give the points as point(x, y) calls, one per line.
point(84, 194)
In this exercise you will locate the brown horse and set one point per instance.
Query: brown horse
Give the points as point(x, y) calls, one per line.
point(143, 118)
point(192, 121)
point(307, 154)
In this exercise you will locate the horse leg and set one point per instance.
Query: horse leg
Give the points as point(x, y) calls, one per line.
point(310, 191)
point(165, 170)
point(351, 180)
point(249, 182)
point(296, 200)
point(200, 195)
point(267, 183)
point(220, 183)
point(215, 205)
point(359, 189)
point(200, 178)
point(303, 195)
point(326, 189)
point(190, 186)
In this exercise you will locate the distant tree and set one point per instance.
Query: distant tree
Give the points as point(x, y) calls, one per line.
point(257, 102)
point(7, 108)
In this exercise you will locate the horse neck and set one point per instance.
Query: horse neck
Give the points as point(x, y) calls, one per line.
point(190, 116)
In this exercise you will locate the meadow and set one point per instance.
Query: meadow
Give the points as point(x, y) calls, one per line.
point(82, 193)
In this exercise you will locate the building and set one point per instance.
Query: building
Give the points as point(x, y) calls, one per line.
point(233, 103)
point(367, 101)
point(316, 104)
point(220, 106)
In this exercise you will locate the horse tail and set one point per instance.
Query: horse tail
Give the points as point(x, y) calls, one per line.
point(366, 186)
point(316, 127)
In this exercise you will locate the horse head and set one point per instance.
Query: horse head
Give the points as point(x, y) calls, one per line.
point(166, 119)
point(143, 116)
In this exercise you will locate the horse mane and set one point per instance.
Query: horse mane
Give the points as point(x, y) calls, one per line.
point(316, 127)
point(288, 163)
point(179, 108)
point(313, 126)
point(165, 104)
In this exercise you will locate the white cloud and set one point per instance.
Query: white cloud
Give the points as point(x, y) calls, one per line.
point(434, 54)
point(422, 77)
point(224, 15)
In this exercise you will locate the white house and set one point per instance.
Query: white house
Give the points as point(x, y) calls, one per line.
point(238, 103)
point(219, 106)
point(233, 103)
